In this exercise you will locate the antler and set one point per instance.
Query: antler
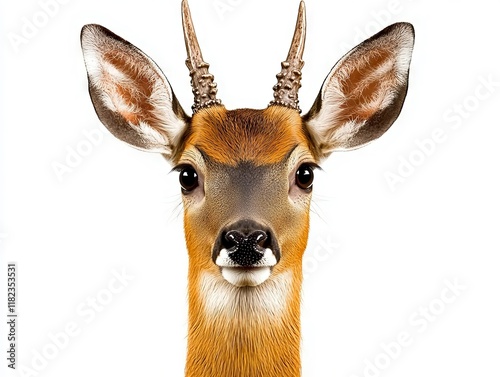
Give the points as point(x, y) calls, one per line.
point(204, 87)
point(287, 88)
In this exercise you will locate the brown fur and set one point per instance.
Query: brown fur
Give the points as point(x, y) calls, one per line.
point(136, 96)
point(260, 136)
point(366, 85)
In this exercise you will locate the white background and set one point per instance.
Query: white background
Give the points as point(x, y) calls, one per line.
point(393, 249)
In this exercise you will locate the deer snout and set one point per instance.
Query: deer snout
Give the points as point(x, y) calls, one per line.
point(246, 252)
point(246, 244)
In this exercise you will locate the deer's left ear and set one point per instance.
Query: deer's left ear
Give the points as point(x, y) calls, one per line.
point(364, 92)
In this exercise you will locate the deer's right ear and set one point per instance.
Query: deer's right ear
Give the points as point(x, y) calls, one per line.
point(131, 96)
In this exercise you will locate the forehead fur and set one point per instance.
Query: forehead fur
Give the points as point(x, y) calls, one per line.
point(260, 136)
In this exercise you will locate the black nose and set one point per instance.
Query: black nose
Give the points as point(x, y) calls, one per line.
point(246, 242)
point(245, 250)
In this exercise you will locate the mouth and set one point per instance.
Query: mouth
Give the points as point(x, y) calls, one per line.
point(246, 276)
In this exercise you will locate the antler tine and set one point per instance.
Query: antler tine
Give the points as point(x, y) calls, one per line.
point(287, 88)
point(202, 82)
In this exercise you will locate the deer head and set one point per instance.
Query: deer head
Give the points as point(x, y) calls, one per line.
point(246, 175)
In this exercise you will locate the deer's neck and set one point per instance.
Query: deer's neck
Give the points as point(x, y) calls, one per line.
point(245, 332)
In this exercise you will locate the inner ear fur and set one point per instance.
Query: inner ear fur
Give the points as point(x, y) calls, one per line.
point(131, 96)
point(364, 92)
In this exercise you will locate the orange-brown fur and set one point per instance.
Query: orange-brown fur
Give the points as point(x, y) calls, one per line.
point(245, 346)
point(261, 136)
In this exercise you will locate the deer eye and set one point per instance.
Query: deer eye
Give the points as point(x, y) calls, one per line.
point(304, 177)
point(188, 179)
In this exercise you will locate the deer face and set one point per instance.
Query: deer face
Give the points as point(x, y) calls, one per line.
point(246, 175)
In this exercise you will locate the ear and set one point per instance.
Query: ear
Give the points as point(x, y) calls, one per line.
point(131, 96)
point(364, 92)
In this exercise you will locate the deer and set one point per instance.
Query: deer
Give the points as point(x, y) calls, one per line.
point(246, 178)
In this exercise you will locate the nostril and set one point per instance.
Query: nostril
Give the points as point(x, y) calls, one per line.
point(265, 242)
point(232, 239)
point(257, 239)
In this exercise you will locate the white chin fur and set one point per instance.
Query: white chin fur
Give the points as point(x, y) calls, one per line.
point(246, 277)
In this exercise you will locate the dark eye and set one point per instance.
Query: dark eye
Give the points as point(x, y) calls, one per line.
point(188, 179)
point(304, 177)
